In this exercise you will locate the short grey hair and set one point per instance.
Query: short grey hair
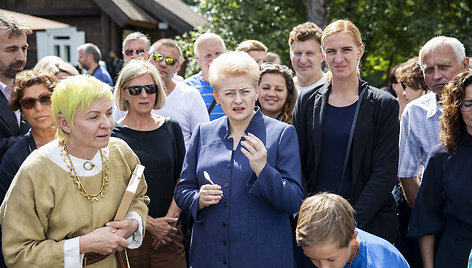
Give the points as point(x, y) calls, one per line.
point(440, 41)
point(207, 36)
point(137, 36)
point(13, 26)
point(91, 49)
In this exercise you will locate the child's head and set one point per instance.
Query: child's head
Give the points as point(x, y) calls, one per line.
point(325, 230)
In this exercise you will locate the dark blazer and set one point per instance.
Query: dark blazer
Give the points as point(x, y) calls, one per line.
point(374, 154)
point(9, 130)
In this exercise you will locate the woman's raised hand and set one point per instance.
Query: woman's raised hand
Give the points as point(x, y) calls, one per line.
point(256, 153)
point(209, 195)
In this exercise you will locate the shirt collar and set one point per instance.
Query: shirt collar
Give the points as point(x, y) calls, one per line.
point(252, 127)
point(6, 90)
point(433, 106)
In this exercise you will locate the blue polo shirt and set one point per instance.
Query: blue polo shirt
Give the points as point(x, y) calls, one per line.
point(206, 91)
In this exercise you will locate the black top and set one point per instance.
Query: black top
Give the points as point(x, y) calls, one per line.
point(444, 202)
point(336, 130)
point(374, 153)
point(12, 160)
point(155, 150)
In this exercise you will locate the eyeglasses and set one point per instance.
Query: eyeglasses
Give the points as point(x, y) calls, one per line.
point(403, 85)
point(136, 90)
point(159, 57)
point(266, 65)
point(466, 106)
point(130, 52)
point(30, 102)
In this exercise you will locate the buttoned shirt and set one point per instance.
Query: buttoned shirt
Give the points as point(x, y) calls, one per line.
point(419, 133)
point(6, 90)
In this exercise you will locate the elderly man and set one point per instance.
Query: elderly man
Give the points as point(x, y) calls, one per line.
point(207, 47)
point(305, 54)
point(13, 51)
point(183, 102)
point(136, 46)
point(89, 58)
point(440, 58)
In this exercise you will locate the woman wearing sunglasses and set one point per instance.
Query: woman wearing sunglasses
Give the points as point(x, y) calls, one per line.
point(159, 144)
point(59, 209)
point(31, 96)
point(277, 92)
point(442, 212)
point(241, 177)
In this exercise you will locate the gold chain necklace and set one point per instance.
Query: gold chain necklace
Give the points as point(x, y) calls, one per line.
point(76, 178)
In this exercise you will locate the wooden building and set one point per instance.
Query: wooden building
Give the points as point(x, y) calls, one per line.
point(106, 22)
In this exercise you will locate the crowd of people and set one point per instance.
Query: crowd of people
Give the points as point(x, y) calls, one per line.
point(247, 164)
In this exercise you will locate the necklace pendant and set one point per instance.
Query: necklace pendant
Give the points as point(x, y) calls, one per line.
point(88, 165)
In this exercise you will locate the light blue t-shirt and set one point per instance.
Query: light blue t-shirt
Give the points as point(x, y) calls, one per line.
point(206, 91)
point(376, 252)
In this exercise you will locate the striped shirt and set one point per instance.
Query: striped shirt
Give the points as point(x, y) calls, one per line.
point(419, 133)
point(206, 91)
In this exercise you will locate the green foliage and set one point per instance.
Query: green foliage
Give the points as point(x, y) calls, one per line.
point(395, 30)
point(269, 21)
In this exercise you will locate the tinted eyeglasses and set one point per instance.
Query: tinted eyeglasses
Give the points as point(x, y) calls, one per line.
point(136, 90)
point(159, 57)
point(29, 102)
point(266, 65)
point(466, 106)
point(130, 52)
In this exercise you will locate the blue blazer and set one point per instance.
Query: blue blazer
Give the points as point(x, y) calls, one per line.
point(250, 225)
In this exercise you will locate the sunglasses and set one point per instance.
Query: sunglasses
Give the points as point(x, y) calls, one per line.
point(130, 52)
point(403, 85)
point(159, 57)
point(136, 90)
point(30, 102)
point(266, 65)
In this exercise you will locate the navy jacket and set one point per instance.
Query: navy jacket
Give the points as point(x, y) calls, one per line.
point(250, 225)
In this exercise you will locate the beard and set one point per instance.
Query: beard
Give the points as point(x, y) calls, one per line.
point(15, 68)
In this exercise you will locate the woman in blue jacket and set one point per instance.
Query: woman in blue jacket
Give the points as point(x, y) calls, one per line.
point(241, 177)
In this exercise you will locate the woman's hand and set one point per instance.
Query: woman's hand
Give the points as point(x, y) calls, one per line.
point(256, 153)
point(162, 229)
point(125, 228)
point(209, 195)
point(104, 240)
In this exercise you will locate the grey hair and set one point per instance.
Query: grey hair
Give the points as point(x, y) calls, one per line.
point(439, 41)
point(13, 26)
point(207, 36)
point(137, 36)
point(91, 49)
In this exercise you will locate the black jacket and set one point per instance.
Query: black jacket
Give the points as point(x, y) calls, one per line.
point(374, 154)
point(9, 130)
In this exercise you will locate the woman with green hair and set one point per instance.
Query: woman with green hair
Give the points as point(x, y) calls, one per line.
point(60, 207)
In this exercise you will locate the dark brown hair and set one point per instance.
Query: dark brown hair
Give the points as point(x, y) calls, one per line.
point(27, 79)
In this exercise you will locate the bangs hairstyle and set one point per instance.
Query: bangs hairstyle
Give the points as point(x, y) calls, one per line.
point(73, 93)
point(235, 63)
point(133, 69)
point(451, 123)
point(292, 92)
point(27, 79)
point(325, 219)
point(440, 41)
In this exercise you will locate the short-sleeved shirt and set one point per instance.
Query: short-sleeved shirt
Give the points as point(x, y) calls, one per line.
point(206, 91)
point(419, 133)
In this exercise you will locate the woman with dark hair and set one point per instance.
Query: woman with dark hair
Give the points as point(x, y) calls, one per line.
point(32, 97)
point(411, 77)
point(396, 88)
point(443, 205)
point(277, 92)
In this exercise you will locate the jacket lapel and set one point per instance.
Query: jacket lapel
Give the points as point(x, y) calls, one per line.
point(319, 110)
point(8, 116)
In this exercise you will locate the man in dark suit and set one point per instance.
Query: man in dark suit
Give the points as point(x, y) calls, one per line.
point(13, 50)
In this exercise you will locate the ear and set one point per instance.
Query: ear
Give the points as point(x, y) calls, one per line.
point(63, 124)
point(361, 51)
point(465, 63)
point(216, 97)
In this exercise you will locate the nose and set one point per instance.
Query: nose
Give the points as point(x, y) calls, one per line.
point(302, 58)
point(106, 123)
point(338, 57)
point(237, 98)
point(437, 74)
point(38, 106)
point(271, 92)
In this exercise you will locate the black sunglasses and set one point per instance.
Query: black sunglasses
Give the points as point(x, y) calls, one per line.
point(29, 102)
point(159, 57)
point(136, 90)
point(139, 52)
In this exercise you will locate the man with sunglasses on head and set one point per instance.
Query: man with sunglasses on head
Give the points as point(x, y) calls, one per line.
point(207, 47)
point(13, 51)
point(136, 46)
point(183, 102)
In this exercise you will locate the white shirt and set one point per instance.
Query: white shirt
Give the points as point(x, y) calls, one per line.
point(316, 84)
point(419, 133)
point(185, 105)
